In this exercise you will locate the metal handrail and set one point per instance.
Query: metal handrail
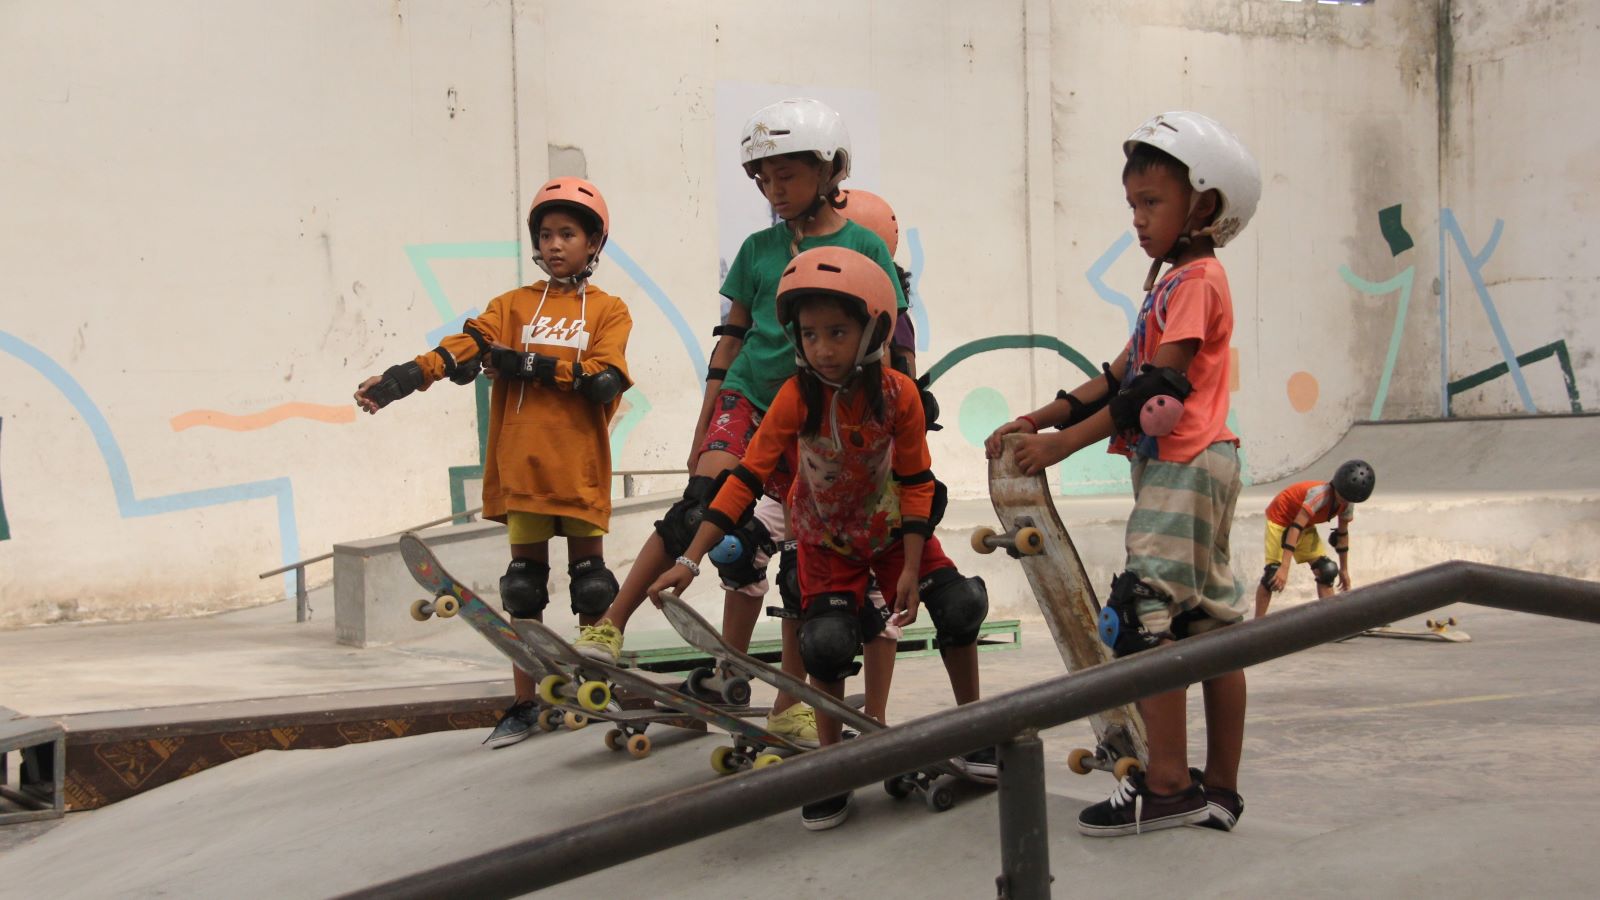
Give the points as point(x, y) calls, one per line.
point(1010, 721)
point(302, 610)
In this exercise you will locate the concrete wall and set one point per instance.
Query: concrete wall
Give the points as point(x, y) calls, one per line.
point(220, 219)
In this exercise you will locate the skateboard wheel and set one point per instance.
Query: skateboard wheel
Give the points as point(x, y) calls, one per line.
point(594, 695)
point(767, 759)
point(614, 739)
point(1451, 621)
point(574, 720)
point(940, 797)
point(980, 540)
point(421, 610)
point(899, 787)
point(549, 719)
point(722, 761)
point(639, 746)
point(550, 689)
point(1126, 766)
point(737, 691)
point(1029, 541)
point(1075, 761)
point(696, 682)
point(446, 607)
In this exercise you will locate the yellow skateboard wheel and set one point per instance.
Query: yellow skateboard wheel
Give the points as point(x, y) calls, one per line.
point(574, 720)
point(1075, 761)
point(421, 610)
point(980, 540)
point(550, 689)
point(722, 761)
point(1029, 541)
point(594, 695)
point(639, 746)
point(767, 759)
point(446, 607)
point(1126, 766)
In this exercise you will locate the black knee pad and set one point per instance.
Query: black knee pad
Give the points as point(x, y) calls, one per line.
point(957, 604)
point(788, 582)
point(830, 637)
point(1269, 573)
point(1326, 570)
point(525, 589)
point(735, 557)
point(593, 586)
point(682, 520)
point(1120, 628)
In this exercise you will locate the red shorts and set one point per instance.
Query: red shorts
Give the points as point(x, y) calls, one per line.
point(734, 420)
point(824, 572)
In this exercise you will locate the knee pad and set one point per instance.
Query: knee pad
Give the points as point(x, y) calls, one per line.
point(830, 637)
point(525, 589)
point(1120, 626)
point(788, 582)
point(682, 520)
point(593, 586)
point(1326, 570)
point(735, 558)
point(957, 604)
point(1269, 573)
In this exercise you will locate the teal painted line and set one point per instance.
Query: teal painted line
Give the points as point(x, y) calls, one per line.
point(697, 357)
point(454, 326)
point(422, 256)
point(1010, 342)
point(1557, 349)
point(919, 312)
point(5, 526)
point(638, 408)
point(1403, 283)
point(1444, 328)
point(1096, 276)
point(1475, 263)
point(129, 503)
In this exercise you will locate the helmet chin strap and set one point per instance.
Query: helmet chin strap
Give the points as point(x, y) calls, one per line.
point(1178, 246)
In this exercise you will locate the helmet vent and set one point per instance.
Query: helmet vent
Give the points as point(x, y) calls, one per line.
point(824, 267)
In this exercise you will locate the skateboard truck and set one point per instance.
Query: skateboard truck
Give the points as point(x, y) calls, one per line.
point(1025, 540)
point(444, 606)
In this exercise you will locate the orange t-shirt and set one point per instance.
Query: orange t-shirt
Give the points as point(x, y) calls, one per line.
point(1191, 302)
point(1316, 499)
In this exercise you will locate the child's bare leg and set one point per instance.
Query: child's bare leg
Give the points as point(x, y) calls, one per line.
point(1167, 729)
point(790, 662)
point(829, 728)
point(740, 612)
point(581, 548)
point(878, 669)
point(961, 664)
point(1263, 599)
point(1324, 591)
point(525, 685)
point(1225, 705)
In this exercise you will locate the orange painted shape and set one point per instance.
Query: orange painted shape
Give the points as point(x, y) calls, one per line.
point(1303, 391)
point(318, 412)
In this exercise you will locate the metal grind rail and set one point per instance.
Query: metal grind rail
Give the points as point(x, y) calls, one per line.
point(1009, 721)
point(302, 610)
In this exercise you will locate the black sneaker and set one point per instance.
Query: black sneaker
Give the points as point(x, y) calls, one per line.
point(825, 814)
point(1133, 809)
point(1225, 806)
point(515, 724)
point(983, 765)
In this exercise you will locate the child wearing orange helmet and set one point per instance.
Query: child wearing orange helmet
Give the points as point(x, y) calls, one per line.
point(556, 353)
point(861, 502)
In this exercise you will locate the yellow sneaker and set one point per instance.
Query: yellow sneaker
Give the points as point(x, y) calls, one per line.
point(601, 641)
point(797, 724)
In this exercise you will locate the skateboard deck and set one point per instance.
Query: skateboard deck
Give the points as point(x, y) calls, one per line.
point(1434, 630)
point(1033, 533)
point(753, 745)
point(451, 598)
point(934, 782)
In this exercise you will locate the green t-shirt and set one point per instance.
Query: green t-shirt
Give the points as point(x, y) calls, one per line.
point(766, 360)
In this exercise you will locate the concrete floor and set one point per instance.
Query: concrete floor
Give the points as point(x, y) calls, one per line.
point(1372, 768)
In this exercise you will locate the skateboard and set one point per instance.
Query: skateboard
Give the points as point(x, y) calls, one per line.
point(1435, 630)
point(451, 598)
point(935, 783)
point(588, 682)
point(1033, 534)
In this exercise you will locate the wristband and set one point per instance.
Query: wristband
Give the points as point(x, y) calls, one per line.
point(1030, 421)
point(691, 565)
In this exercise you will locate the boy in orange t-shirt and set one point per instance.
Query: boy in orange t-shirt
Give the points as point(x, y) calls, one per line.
point(1292, 520)
point(1192, 187)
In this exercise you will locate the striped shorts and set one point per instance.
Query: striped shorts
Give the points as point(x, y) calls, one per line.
point(1177, 539)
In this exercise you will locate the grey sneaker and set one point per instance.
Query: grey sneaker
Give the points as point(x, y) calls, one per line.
point(515, 724)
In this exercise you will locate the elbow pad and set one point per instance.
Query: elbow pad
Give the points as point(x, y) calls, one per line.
point(602, 387)
point(1151, 382)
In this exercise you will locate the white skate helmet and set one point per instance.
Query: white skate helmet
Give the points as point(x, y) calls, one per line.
point(798, 125)
point(1216, 160)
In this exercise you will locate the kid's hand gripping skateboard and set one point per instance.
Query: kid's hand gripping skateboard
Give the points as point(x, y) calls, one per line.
point(936, 783)
point(1033, 533)
point(451, 598)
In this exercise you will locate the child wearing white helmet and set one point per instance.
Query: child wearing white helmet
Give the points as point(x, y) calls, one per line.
point(797, 152)
point(556, 351)
point(1192, 187)
point(862, 502)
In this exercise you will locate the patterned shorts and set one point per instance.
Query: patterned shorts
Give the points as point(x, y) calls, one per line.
point(1177, 539)
point(734, 420)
